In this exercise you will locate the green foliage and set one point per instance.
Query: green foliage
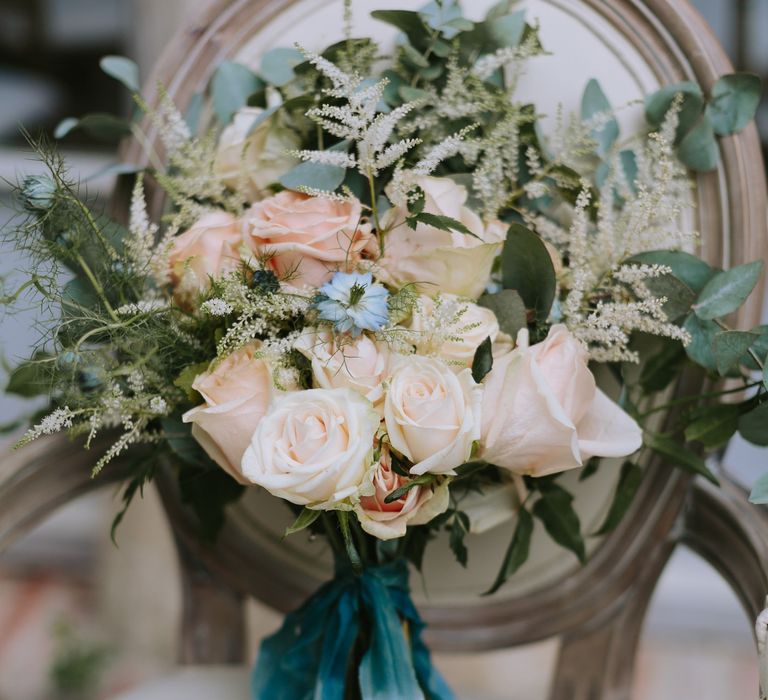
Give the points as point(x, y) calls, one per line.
point(759, 493)
point(231, 87)
point(122, 69)
point(444, 223)
point(698, 148)
point(342, 517)
point(713, 425)
point(702, 338)
point(727, 290)
point(318, 176)
point(187, 377)
point(517, 552)
point(509, 309)
point(527, 268)
point(277, 65)
point(630, 478)
point(730, 346)
point(482, 362)
point(753, 426)
point(555, 510)
point(680, 456)
point(658, 104)
point(78, 665)
point(594, 102)
point(663, 366)
point(31, 378)
point(102, 127)
point(458, 531)
point(733, 102)
point(693, 271)
point(304, 520)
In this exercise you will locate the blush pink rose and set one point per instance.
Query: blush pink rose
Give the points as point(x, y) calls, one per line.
point(390, 520)
point(237, 393)
point(543, 413)
point(308, 238)
point(208, 250)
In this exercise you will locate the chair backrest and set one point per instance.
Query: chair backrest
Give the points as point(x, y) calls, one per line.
point(632, 46)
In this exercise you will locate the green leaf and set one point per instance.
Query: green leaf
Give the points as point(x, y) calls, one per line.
point(527, 268)
point(123, 70)
point(680, 456)
point(178, 435)
point(661, 368)
point(555, 510)
point(686, 267)
point(103, 127)
point(444, 223)
point(629, 482)
point(517, 552)
point(509, 309)
point(410, 23)
point(349, 545)
point(231, 86)
point(679, 296)
point(727, 290)
point(593, 102)
point(399, 492)
point(31, 378)
point(700, 348)
point(445, 16)
point(305, 519)
point(628, 161)
point(753, 426)
point(65, 126)
point(277, 65)
point(765, 373)
point(208, 489)
point(319, 176)
point(733, 102)
point(714, 425)
point(698, 148)
point(657, 105)
point(194, 110)
point(482, 362)
point(187, 377)
point(759, 347)
point(730, 346)
point(459, 530)
point(412, 94)
point(759, 494)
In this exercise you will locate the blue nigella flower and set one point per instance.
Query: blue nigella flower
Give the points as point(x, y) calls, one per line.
point(353, 303)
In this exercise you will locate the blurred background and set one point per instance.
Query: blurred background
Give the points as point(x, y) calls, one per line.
point(79, 618)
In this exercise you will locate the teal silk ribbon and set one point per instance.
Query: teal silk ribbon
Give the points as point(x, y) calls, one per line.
point(308, 657)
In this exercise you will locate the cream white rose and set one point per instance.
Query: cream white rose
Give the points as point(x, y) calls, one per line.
point(543, 413)
point(390, 520)
point(432, 415)
point(451, 328)
point(237, 393)
point(436, 260)
point(361, 363)
point(314, 448)
point(258, 158)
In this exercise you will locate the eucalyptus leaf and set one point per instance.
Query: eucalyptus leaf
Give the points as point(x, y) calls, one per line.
point(594, 102)
point(679, 296)
point(408, 22)
point(657, 105)
point(277, 65)
point(65, 126)
point(123, 70)
point(714, 425)
point(482, 362)
point(517, 552)
point(686, 267)
point(730, 346)
point(319, 176)
point(509, 309)
point(527, 268)
point(759, 494)
point(753, 426)
point(630, 478)
point(628, 161)
point(194, 111)
point(31, 378)
point(680, 456)
point(727, 290)
point(303, 521)
point(442, 16)
point(231, 86)
point(556, 512)
point(702, 333)
point(101, 126)
point(698, 148)
point(733, 102)
point(759, 347)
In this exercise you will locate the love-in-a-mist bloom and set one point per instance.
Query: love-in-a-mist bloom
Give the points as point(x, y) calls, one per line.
point(353, 302)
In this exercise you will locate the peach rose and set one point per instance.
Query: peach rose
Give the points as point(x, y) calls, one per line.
point(451, 328)
point(390, 520)
point(309, 238)
point(437, 260)
point(237, 393)
point(542, 411)
point(360, 364)
point(432, 415)
point(256, 159)
point(315, 448)
point(210, 249)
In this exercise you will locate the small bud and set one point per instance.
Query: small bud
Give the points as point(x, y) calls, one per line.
point(265, 281)
point(68, 360)
point(91, 379)
point(37, 193)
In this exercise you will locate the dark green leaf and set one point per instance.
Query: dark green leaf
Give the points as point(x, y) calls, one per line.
point(305, 519)
point(31, 378)
point(555, 510)
point(680, 456)
point(733, 102)
point(698, 148)
point(469, 469)
point(700, 348)
point(730, 346)
point(459, 530)
point(727, 290)
point(277, 65)
point(662, 367)
point(410, 23)
point(103, 127)
point(759, 347)
point(527, 268)
point(679, 296)
point(590, 468)
point(517, 552)
point(594, 102)
point(178, 435)
point(482, 362)
point(629, 482)
point(753, 426)
point(657, 105)
point(232, 84)
point(509, 309)
point(714, 425)
point(318, 176)
point(759, 494)
point(349, 545)
point(686, 267)
point(444, 223)
point(123, 70)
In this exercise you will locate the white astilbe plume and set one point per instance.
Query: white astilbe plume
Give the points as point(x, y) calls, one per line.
point(140, 244)
point(445, 149)
point(54, 422)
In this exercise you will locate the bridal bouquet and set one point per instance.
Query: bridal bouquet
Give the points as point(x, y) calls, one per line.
point(379, 292)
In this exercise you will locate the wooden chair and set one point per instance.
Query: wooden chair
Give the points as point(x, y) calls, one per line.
point(597, 610)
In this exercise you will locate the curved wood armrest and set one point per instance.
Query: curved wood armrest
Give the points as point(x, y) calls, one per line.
point(45, 475)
